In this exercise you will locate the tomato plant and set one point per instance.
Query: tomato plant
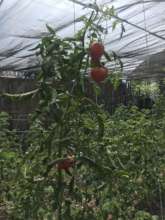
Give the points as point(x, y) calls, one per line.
point(66, 120)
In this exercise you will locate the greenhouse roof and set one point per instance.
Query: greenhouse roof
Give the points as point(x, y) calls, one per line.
point(23, 23)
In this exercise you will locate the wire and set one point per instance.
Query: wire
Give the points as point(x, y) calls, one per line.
point(74, 16)
point(146, 36)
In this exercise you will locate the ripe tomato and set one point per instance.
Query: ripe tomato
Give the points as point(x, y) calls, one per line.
point(96, 51)
point(66, 164)
point(99, 74)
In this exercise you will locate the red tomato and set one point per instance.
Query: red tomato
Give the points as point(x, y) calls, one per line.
point(99, 74)
point(96, 51)
point(65, 164)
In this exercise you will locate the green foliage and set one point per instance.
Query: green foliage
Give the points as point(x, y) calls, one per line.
point(9, 157)
point(135, 150)
point(121, 174)
point(142, 215)
point(146, 88)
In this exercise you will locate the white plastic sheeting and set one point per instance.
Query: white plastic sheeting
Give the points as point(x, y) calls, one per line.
point(23, 23)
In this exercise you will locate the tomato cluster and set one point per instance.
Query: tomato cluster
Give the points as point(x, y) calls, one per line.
point(99, 73)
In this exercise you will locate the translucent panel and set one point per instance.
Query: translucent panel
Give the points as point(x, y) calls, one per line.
point(23, 23)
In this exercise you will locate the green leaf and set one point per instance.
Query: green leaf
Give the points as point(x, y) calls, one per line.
point(94, 35)
point(7, 155)
point(155, 217)
point(101, 126)
point(96, 89)
point(114, 24)
point(50, 29)
point(107, 56)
